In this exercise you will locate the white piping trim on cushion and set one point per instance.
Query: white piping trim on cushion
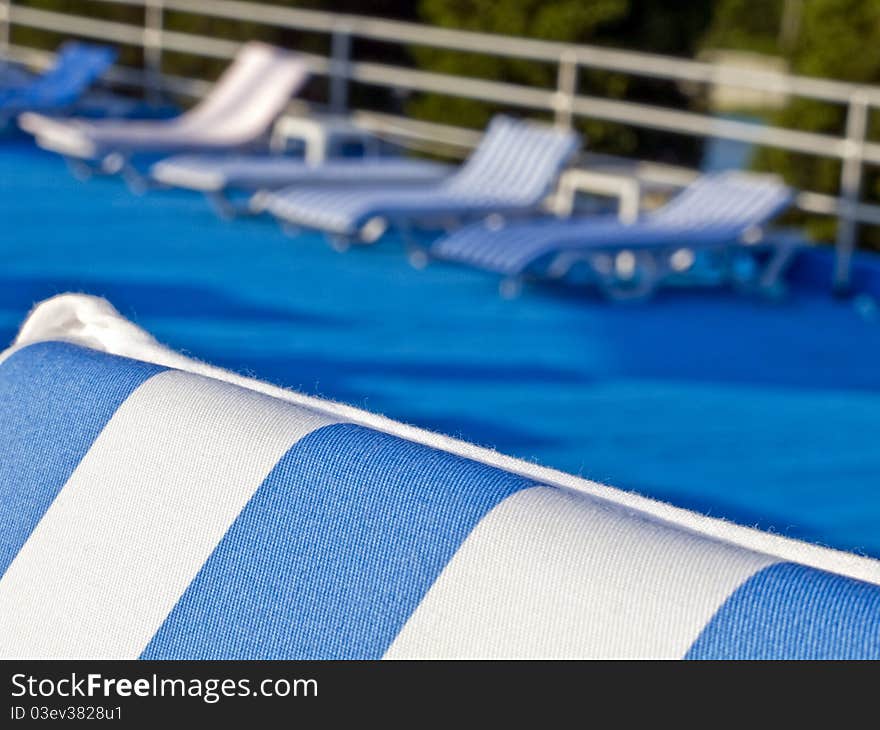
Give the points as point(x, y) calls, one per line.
point(92, 322)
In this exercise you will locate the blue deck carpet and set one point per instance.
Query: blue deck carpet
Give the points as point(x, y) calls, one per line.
point(767, 414)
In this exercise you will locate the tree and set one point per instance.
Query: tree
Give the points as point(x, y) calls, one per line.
point(558, 20)
point(665, 27)
point(827, 38)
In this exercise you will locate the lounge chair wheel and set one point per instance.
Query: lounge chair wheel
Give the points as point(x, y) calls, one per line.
point(510, 288)
point(418, 258)
point(373, 230)
point(222, 206)
point(635, 276)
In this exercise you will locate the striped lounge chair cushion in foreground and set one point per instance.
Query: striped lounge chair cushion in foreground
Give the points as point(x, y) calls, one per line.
point(152, 506)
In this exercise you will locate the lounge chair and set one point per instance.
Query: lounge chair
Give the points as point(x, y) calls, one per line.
point(511, 171)
point(220, 177)
point(77, 66)
point(237, 113)
point(719, 214)
point(14, 75)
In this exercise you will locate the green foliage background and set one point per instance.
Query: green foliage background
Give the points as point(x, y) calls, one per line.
point(831, 38)
point(835, 39)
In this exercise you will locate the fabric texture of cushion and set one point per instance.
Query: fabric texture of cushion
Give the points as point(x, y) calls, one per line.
point(153, 506)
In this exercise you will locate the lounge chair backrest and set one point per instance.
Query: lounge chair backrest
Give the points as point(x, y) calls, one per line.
point(735, 199)
point(76, 67)
point(251, 93)
point(516, 159)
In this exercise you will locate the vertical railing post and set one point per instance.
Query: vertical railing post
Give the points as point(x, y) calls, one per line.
point(566, 88)
point(850, 191)
point(340, 62)
point(153, 24)
point(5, 23)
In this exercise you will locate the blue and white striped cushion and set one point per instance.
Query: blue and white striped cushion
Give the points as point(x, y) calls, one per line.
point(735, 199)
point(513, 168)
point(168, 510)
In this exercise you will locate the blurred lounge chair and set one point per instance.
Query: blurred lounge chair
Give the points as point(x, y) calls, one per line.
point(236, 113)
point(14, 76)
point(511, 171)
point(701, 230)
point(219, 177)
point(77, 66)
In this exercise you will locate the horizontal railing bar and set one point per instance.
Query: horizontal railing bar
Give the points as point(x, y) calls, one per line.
point(670, 120)
point(225, 49)
point(127, 34)
point(636, 114)
point(822, 204)
point(460, 139)
point(500, 92)
point(644, 64)
point(124, 33)
point(632, 62)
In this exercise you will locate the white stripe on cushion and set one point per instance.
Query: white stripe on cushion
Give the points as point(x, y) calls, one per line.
point(140, 515)
point(553, 574)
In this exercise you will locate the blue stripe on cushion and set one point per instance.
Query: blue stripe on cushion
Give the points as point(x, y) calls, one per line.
point(56, 399)
point(334, 551)
point(790, 611)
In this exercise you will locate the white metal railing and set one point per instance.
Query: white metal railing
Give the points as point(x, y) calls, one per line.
point(852, 149)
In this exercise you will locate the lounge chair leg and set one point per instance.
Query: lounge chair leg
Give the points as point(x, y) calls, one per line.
point(222, 205)
point(510, 287)
point(339, 243)
point(136, 182)
point(79, 169)
point(633, 277)
point(770, 281)
point(257, 204)
point(561, 264)
point(417, 257)
point(410, 242)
